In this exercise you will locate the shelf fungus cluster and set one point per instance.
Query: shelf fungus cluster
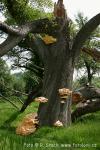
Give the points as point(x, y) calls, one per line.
point(58, 124)
point(64, 94)
point(49, 39)
point(28, 125)
point(41, 100)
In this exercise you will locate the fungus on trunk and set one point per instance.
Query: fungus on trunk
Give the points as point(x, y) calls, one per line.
point(41, 100)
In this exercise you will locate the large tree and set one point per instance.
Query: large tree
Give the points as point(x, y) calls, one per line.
point(59, 57)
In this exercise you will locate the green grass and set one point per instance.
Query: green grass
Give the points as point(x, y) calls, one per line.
point(85, 131)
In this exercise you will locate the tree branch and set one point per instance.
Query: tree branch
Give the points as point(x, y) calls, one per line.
point(27, 60)
point(21, 11)
point(34, 67)
point(8, 29)
point(84, 33)
point(92, 52)
point(36, 26)
point(86, 109)
point(85, 93)
point(16, 35)
point(9, 43)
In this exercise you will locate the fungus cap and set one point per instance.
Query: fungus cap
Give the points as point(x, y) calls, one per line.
point(49, 39)
point(41, 99)
point(64, 93)
point(58, 124)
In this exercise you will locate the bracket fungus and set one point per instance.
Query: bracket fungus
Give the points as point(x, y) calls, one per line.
point(58, 124)
point(28, 125)
point(41, 99)
point(64, 94)
point(49, 39)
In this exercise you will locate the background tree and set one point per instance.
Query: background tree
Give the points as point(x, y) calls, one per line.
point(5, 79)
point(86, 62)
point(18, 84)
point(10, 83)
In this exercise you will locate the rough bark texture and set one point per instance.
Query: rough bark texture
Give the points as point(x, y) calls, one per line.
point(58, 74)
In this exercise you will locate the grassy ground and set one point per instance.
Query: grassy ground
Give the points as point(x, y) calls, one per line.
point(83, 135)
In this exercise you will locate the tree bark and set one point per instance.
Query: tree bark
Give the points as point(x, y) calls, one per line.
point(88, 92)
point(89, 74)
point(58, 74)
point(94, 53)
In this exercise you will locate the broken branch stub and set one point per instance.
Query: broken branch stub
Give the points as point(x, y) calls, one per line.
point(59, 9)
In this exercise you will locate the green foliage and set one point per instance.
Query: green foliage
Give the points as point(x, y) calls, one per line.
point(31, 80)
point(5, 78)
point(73, 30)
point(83, 81)
point(18, 84)
point(80, 20)
point(96, 81)
point(95, 66)
point(41, 4)
point(24, 10)
point(9, 81)
point(33, 66)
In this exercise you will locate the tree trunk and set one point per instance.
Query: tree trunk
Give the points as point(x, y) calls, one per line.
point(58, 74)
point(88, 72)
